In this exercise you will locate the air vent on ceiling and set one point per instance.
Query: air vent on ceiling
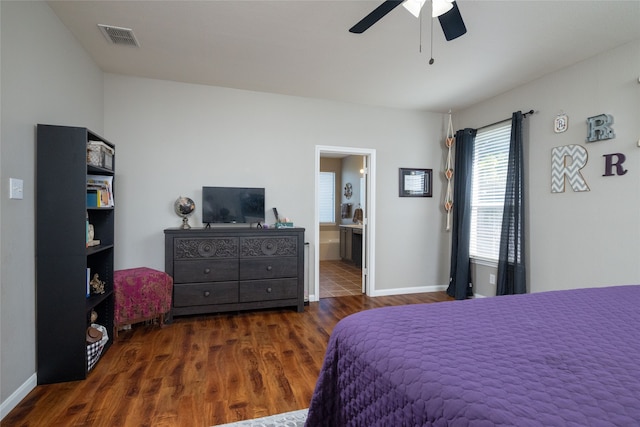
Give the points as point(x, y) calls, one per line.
point(119, 35)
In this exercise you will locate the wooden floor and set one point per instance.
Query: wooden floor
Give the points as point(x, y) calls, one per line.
point(202, 371)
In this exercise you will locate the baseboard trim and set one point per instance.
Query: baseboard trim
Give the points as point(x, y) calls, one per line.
point(17, 396)
point(403, 291)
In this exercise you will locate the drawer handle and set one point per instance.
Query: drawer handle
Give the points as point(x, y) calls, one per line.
point(207, 293)
point(207, 270)
point(268, 290)
point(269, 268)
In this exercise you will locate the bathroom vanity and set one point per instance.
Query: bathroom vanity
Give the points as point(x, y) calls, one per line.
point(351, 243)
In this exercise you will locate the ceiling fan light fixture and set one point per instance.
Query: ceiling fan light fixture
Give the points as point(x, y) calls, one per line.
point(414, 6)
point(440, 7)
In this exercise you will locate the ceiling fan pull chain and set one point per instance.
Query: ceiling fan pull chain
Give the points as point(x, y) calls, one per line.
point(431, 60)
point(420, 33)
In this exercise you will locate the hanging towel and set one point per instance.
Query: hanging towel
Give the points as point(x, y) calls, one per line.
point(357, 216)
point(346, 210)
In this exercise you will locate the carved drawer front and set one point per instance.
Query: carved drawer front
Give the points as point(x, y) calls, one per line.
point(205, 248)
point(265, 290)
point(206, 270)
point(268, 268)
point(268, 246)
point(205, 294)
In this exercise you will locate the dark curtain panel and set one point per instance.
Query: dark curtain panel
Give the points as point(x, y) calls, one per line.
point(511, 262)
point(459, 276)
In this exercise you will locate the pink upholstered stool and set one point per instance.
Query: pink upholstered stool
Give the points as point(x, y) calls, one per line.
point(141, 294)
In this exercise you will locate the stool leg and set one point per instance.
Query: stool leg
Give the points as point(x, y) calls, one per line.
point(162, 320)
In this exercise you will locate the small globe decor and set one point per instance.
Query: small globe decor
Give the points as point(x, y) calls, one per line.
point(184, 207)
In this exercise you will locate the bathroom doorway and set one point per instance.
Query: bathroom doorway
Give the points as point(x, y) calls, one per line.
point(344, 249)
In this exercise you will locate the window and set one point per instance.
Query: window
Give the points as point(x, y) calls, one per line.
point(327, 196)
point(490, 161)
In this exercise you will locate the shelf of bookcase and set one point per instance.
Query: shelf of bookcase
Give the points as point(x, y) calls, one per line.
point(99, 208)
point(91, 250)
point(96, 299)
point(98, 170)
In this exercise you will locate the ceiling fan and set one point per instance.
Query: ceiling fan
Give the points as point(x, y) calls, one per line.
point(446, 10)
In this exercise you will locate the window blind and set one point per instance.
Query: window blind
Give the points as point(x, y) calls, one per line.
point(327, 197)
point(491, 157)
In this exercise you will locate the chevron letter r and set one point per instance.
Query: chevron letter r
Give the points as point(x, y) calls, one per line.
point(566, 162)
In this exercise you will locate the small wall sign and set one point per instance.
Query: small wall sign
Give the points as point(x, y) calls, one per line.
point(561, 123)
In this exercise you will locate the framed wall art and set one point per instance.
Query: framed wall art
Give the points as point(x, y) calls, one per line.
point(415, 182)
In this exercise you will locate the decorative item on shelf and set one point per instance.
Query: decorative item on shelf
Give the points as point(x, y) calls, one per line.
point(184, 207)
point(348, 190)
point(284, 223)
point(93, 334)
point(90, 237)
point(448, 173)
point(97, 285)
point(94, 316)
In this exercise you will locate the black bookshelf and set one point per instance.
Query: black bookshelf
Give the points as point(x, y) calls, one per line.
point(62, 257)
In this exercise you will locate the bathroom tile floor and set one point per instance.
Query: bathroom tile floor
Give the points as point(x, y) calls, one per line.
point(339, 278)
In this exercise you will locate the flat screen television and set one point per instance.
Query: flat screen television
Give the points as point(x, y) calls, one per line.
point(232, 205)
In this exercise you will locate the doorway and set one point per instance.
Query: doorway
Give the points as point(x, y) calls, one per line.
point(365, 228)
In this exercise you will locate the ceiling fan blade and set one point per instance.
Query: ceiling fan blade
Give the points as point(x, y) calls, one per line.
point(452, 23)
point(377, 14)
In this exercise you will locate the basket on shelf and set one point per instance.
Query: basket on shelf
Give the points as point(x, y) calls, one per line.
point(94, 350)
point(100, 154)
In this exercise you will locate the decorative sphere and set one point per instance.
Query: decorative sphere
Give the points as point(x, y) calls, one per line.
point(184, 206)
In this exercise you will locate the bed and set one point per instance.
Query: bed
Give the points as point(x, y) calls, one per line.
point(561, 358)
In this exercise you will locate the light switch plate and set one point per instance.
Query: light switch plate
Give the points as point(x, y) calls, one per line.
point(16, 188)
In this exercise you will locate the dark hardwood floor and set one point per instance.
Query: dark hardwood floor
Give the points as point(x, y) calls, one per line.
point(204, 370)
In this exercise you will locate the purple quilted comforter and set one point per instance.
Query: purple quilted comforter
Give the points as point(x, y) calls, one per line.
point(563, 358)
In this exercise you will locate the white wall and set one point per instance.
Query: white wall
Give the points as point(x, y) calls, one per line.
point(579, 239)
point(46, 77)
point(173, 138)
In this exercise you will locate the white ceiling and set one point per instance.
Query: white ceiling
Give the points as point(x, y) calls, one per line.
point(303, 47)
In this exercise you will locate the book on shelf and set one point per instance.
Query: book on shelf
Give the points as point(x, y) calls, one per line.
point(86, 229)
point(88, 282)
point(99, 191)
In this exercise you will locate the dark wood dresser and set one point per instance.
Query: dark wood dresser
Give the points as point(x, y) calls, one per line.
point(232, 268)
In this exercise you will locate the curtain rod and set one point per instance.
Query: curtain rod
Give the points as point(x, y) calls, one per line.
point(505, 120)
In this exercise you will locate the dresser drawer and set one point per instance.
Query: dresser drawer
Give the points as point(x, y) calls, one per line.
point(268, 268)
point(187, 295)
point(205, 270)
point(205, 247)
point(268, 246)
point(264, 290)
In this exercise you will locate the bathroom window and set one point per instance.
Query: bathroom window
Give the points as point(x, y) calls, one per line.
point(327, 197)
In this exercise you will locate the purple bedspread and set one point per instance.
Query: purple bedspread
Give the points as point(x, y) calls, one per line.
point(562, 358)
